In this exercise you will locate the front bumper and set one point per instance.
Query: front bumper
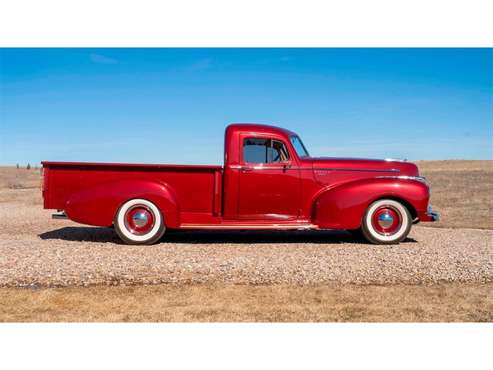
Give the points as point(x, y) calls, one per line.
point(429, 216)
point(434, 216)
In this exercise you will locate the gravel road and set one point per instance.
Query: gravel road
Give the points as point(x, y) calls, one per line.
point(38, 251)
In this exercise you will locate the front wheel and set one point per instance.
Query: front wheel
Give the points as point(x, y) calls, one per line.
point(139, 221)
point(386, 221)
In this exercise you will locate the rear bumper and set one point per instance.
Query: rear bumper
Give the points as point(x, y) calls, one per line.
point(59, 216)
point(429, 216)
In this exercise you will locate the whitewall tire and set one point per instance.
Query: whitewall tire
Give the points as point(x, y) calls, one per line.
point(139, 221)
point(386, 221)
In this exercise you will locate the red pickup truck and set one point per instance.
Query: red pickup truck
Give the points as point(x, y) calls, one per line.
point(269, 181)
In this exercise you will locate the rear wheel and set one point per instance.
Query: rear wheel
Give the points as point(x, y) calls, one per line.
point(139, 221)
point(386, 221)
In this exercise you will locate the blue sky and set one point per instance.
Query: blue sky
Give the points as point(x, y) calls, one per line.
point(171, 105)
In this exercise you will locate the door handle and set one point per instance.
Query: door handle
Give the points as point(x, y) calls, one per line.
point(246, 169)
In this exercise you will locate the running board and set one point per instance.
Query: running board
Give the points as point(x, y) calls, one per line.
point(250, 227)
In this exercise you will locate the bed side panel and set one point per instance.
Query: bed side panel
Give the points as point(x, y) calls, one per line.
point(194, 187)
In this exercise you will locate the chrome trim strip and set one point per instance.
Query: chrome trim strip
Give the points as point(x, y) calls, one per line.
point(358, 169)
point(417, 178)
point(395, 160)
point(239, 167)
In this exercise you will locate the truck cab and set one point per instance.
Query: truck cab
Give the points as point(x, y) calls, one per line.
point(262, 173)
point(268, 181)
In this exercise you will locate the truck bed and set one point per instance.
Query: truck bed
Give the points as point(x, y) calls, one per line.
point(197, 187)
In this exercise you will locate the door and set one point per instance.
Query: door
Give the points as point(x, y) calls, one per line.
point(269, 184)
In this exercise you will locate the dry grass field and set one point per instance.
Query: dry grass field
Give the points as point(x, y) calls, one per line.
point(248, 303)
point(462, 191)
point(442, 274)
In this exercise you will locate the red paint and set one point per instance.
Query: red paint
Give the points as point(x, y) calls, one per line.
point(299, 192)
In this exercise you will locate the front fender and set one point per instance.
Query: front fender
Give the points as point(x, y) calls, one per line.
point(343, 206)
point(98, 205)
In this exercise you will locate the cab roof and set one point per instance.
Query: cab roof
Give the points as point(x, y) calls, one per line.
point(259, 128)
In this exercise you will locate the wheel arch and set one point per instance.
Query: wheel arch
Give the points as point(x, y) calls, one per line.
point(343, 206)
point(412, 210)
point(99, 204)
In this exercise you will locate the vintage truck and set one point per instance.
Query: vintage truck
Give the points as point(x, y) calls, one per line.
point(268, 181)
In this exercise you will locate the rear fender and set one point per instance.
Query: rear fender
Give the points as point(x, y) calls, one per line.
point(343, 206)
point(98, 205)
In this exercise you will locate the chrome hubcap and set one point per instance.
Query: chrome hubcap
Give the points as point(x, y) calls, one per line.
point(385, 220)
point(140, 219)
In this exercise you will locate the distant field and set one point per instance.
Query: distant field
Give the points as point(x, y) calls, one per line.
point(31, 245)
point(462, 191)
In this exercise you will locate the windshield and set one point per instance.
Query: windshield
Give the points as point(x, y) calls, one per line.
point(299, 147)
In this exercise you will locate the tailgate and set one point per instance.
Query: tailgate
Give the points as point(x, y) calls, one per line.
point(45, 171)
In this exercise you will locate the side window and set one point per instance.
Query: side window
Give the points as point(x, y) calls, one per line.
point(277, 152)
point(257, 150)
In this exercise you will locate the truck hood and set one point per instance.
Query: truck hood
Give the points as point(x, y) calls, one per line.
point(385, 166)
